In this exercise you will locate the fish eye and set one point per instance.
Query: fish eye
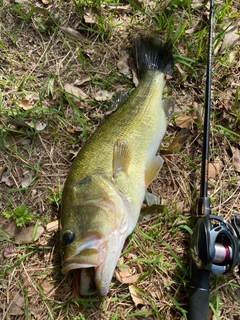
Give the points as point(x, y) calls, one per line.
point(68, 237)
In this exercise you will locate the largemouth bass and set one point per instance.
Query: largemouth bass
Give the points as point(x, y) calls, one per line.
point(106, 185)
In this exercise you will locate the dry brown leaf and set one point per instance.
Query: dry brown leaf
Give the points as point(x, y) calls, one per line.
point(52, 226)
point(16, 306)
point(184, 121)
point(180, 139)
point(18, 138)
point(39, 126)
point(78, 82)
point(182, 72)
point(126, 276)
point(75, 91)
point(122, 64)
point(135, 78)
point(103, 95)
point(236, 159)
point(73, 33)
point(47, 287)
point(9, 230)
point(25, 235)
point(51, 133)
point(25, 104)
point(27, 180)
point(7, 179)
point(2, 169)
point(89, 16)
point(131, 255)
point(9, 252)
point(137, 299)
point(230, 39)
point(214, 169)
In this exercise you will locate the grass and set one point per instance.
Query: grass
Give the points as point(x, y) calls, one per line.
point(38, 57)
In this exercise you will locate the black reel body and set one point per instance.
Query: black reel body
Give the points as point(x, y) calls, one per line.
point(215, 244)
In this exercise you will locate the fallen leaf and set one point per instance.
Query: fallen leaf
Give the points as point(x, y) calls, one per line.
point(122, 64)
point(184, 121)
point(126, 276)
point(135, 77)
point(214, 168)
point(78, 82)
point(47, 287)
point(75, 91)
point(7, 179)
point(9, 230)
point(137, 299)
point(197, 4)
point(52, 226)
point(46, 1)
point(236, 159)
point(89, 16)
point(2, 169)
point(9, 252)
point(18, 138)
point(180, 139)
point(230, 39)
point(25, 104)
point(39, 126)
point(182, 72)
point(25, 235)
point(32, 97)
point(103, 95)
point(51, 133)
point(16, 306)
point(41, 11)
point(131, 255)
point(73, 33)
point(27, 181)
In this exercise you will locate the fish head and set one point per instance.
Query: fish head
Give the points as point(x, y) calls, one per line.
point(92, 236)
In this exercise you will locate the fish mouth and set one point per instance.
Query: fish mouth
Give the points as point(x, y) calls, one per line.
point(83, 278)
point(72, 265)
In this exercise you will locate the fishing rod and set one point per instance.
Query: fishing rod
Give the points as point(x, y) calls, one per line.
point(215, 243)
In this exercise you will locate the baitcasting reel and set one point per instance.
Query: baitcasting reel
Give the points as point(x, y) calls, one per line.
point(215, 243)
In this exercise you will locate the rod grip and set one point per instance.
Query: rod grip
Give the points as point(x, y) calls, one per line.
point(198, 299)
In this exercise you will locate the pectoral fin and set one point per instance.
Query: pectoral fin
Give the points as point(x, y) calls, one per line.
point(153, 166)
point(121, 158)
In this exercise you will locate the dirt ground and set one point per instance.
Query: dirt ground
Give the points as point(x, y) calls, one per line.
point(43, 126)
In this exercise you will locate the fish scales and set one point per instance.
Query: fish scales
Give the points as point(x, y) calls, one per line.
point(105, 188)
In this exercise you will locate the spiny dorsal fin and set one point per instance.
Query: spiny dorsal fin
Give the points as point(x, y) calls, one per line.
point(121, 157)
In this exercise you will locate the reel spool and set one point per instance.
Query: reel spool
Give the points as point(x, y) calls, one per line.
point(215, 244)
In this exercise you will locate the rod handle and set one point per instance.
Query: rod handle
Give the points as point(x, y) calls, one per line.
point(198, 299)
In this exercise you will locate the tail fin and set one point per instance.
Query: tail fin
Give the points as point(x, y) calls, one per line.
point(151, 54)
